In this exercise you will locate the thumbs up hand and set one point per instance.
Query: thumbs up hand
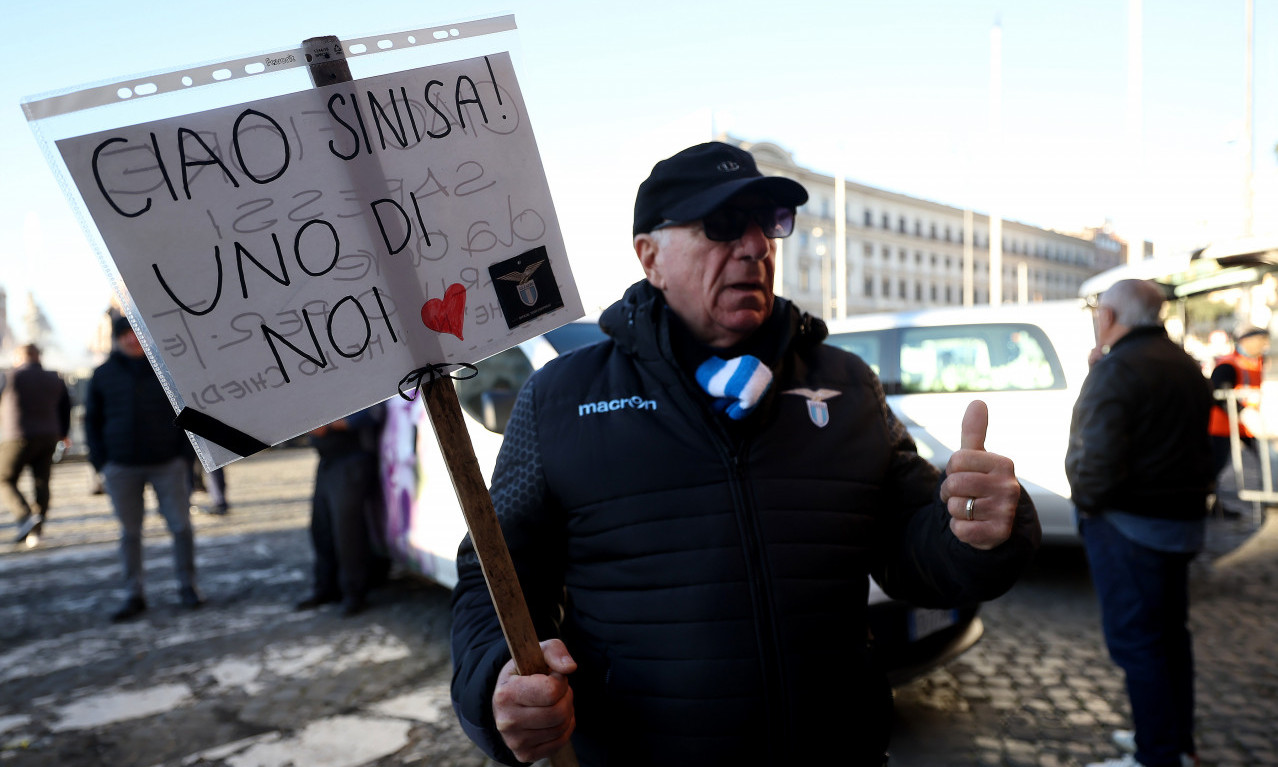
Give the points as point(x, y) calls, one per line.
point(980, 490)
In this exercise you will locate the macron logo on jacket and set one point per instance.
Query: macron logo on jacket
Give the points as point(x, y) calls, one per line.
point(609, 405)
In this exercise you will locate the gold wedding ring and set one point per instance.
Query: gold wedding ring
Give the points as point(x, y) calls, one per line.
point(970, 508)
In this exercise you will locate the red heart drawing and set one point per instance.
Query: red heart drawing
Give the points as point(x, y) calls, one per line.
point(446, 315)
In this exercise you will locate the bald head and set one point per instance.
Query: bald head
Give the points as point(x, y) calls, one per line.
point(1135, 303)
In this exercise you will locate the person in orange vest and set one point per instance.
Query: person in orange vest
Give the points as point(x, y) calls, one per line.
point(1241, 369)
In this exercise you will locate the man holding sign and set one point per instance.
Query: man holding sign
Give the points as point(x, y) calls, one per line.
point(694, 505)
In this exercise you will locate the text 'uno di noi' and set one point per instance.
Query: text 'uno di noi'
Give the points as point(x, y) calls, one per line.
point(261, 154)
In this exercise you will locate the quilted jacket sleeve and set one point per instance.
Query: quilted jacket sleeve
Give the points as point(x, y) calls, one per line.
point(1097, 463)
point(923, 563)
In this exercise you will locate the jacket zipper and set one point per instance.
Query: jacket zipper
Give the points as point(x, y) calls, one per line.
point(761, 594)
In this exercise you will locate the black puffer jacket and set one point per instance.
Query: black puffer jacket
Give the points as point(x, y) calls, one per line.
point(34, 402)
point(713, 586)
point(1138, 439)
point(128, 418)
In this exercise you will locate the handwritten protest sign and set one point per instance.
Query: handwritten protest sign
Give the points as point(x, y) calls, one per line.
point(294, 257)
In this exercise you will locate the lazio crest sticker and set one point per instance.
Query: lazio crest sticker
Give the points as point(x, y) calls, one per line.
point(526, 286)
point(818, 411)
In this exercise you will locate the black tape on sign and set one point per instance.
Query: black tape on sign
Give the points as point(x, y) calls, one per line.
point(215, 431)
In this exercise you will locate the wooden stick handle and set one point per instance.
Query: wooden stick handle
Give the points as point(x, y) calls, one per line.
point(485, 535)
point(485, 531)
point(328, 66)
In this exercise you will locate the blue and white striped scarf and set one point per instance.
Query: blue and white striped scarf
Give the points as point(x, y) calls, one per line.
point(736, 384)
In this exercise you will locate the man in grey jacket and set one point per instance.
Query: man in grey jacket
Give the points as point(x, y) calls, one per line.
point(35, 415)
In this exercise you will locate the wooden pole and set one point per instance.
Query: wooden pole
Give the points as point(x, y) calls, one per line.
point(328, 66)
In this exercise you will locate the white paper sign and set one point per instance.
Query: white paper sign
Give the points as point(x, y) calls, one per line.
point(294, 257)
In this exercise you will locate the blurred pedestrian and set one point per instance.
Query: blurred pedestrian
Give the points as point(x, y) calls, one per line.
point(346, 493)
point(215, 485)
point(101, 345)
point(35, 415)
point(1139, 465)
point(132, 440)
point(1241, 371)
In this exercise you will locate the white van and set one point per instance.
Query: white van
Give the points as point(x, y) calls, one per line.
point(423, 524)
point(1026, 361)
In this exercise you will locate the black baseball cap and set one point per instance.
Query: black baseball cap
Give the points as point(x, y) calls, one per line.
point(699, 179)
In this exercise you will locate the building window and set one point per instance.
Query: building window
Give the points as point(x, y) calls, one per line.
point(918, 257)
point(887, 222)
point(900, 289)
point(918, 228)
point(918, 291)
point(887, 287)
point(934, 231)
point(932, 292)
point(900, 255)
point(949, 294)
point(869, 217)
point(869, 287)
point(900, 224)
point(947, 233)
point(869, 250)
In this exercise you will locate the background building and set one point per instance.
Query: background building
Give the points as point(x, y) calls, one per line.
point(902, 252)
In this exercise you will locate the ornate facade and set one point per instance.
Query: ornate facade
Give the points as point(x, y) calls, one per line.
point(902, 252)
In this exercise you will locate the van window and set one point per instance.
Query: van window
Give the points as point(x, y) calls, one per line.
point(568, 337)
point(958, 358)
point(499, 378)
point(978, 358)
point(867, 346)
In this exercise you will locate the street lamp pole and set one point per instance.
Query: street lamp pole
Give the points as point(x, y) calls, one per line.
point(1249, 148)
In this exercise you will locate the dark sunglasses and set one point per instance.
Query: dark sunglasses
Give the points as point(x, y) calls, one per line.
point(728, 224)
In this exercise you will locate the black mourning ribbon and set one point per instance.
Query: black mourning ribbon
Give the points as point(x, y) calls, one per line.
point(215, 431)
point(420, 379)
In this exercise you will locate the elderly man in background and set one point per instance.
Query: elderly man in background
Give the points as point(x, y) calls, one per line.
point(1140, 468)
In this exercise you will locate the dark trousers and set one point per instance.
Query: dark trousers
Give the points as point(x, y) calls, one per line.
point(126, 486)
point(1144, 601)
point(16, 455)
point(344, 487)
point(215, 484)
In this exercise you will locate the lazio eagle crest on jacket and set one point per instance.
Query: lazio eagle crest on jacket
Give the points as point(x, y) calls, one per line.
point(818, 411)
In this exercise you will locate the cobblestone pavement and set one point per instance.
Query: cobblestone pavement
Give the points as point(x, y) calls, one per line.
point(247, 682)
point(1039, 688)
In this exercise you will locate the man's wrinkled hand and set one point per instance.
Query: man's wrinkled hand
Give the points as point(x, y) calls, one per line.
point(535, 713)
point(985, 479)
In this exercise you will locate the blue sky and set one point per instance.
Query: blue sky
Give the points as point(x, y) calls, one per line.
point(893, 94)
